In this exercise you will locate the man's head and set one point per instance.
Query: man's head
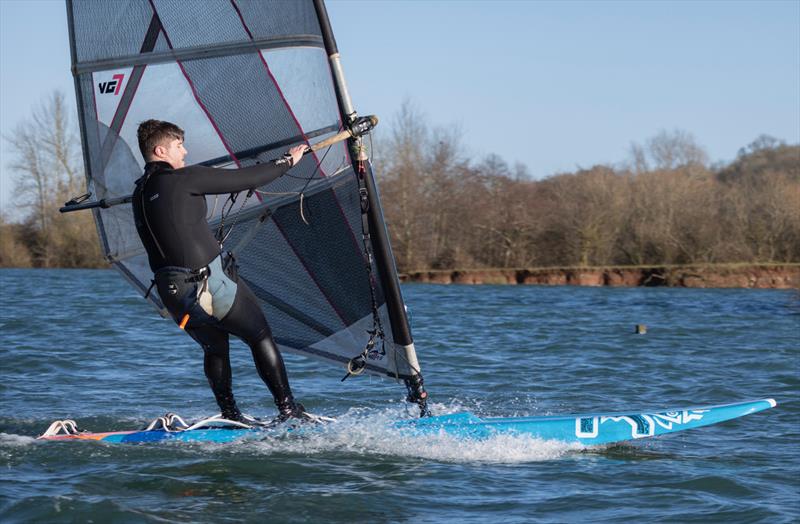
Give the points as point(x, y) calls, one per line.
point(161, 141)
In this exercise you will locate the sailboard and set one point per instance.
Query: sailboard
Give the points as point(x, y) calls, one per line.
point(247, 80)
point(587, 429)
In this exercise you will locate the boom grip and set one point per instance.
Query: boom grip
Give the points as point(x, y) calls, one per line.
point(361, 126)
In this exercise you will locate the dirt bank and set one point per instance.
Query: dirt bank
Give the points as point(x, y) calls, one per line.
point(766, 276)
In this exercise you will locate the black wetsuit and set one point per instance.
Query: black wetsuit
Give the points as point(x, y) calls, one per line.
point(169, 208)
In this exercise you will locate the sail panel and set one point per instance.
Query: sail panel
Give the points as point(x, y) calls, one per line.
point(180, 23)
point(105, 29)
point(303, 77)
point(115, 30)
point(206, 67)
point(260, 115)
point(283, 17)
point(270, 261)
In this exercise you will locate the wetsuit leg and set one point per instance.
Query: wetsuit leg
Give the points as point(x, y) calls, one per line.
point(246, 321)
point(217, 366)
point(272, 371)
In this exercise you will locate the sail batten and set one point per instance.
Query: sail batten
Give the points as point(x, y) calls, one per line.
point(207, 51)
point(254, 152)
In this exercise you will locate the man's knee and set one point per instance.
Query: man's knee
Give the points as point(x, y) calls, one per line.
point(217, 351)
point(214, 343)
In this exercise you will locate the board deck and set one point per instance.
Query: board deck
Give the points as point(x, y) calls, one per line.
point(586, 429)
point(593, 428)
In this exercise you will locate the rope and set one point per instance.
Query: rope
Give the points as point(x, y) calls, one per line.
point(236, 217)
point(214, 209)
point(232, 198)
point(356, 365)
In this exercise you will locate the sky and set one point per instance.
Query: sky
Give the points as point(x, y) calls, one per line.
point(551, 85)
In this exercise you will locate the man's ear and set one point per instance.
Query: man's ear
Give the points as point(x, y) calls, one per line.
point(159, 151)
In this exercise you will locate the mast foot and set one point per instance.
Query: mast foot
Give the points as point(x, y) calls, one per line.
point(418, 395)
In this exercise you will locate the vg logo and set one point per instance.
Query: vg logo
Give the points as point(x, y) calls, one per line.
point(111, 86)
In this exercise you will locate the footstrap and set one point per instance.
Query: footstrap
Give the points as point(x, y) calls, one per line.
point(170, 423)
point(217, 421)
point(61, 427)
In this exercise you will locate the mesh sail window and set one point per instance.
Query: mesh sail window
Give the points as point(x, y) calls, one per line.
point(245, 80)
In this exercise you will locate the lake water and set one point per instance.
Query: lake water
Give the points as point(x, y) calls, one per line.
point(79, 344)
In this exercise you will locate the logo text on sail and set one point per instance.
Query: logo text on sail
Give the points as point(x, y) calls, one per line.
point(111, 86)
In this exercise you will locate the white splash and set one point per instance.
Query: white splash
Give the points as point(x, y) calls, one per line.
point(12, 440)
point(372, 433)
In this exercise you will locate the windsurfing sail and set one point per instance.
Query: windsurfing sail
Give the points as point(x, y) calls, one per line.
point(247, 79)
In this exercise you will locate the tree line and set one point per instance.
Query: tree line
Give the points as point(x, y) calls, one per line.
point(665, 205)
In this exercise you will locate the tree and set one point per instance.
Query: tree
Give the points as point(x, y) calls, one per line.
point(37, 182)
point(13, 253)
point(47, 162)
point(667, 150)
point(587, 213)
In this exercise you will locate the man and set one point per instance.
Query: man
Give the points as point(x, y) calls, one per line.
point(195, 281)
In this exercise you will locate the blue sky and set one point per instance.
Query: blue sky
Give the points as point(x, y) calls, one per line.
point(553, 85)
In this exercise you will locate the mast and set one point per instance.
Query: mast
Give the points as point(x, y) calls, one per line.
point(379, 236)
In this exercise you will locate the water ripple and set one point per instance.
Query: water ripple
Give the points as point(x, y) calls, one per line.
point(80, 344)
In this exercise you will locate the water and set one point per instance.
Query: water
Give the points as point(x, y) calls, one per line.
point(80, 344)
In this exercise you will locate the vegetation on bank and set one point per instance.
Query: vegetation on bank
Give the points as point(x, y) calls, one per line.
point(736, 275)
point(666, 205)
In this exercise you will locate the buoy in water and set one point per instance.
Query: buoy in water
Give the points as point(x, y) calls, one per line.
point(640, 329)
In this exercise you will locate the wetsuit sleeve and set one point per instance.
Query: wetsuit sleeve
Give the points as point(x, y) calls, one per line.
point(203, 180)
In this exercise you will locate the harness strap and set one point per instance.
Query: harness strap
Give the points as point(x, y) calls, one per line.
point(150, 289)
point(199, 275)
point(147, 173)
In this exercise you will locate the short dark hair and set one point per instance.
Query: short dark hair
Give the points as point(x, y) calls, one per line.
point(152, 133)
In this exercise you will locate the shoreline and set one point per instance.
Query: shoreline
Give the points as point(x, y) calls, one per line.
point(734, 275)
point(747, 276)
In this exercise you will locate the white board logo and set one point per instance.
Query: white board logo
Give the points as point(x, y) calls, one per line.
point(641, 425)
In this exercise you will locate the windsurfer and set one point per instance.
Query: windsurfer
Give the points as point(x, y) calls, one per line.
point(195, 281)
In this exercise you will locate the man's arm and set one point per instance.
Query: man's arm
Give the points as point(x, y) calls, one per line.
point(203, 180)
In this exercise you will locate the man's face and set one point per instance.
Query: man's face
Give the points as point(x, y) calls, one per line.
point(173, 153)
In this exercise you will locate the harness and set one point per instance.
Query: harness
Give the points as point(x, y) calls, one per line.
point(184, 293)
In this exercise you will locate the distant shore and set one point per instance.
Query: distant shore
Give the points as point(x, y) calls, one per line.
point(756, 276)
point(753, 276)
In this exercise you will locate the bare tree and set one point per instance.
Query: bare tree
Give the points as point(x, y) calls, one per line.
point(47, 159)
point(667, 150)
point(59, 138)
point(587, 214)
point(638, 159)
point(401, 183)
point(36, 184)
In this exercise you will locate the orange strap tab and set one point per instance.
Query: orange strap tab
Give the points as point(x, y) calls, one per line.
point(184, 321)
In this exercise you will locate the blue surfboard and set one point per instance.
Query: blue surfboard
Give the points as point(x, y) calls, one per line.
point(587, 429)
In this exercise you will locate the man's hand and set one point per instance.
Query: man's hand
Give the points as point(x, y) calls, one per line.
point(297, 153)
